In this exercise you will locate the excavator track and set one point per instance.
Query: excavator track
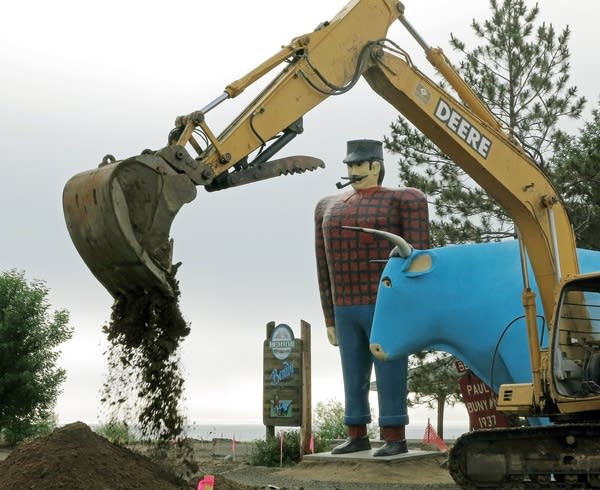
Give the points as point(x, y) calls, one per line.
point(556, 456)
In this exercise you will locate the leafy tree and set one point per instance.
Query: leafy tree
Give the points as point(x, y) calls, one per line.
point(521, 71)
point(29, 378)
point(329, 420)
point(576, 172)
point(433, 381)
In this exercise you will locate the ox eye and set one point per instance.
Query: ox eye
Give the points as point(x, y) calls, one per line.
point(387, 282)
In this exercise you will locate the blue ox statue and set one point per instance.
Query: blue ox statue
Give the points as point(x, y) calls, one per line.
point(460, 299)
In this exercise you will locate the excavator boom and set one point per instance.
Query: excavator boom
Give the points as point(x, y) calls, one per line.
point(119, 215)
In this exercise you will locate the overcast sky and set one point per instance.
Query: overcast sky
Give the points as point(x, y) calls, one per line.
point(79, 80)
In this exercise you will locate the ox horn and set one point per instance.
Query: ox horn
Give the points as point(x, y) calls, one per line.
point(403, 247)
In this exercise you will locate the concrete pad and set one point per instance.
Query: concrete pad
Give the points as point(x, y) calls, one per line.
point(364, 456)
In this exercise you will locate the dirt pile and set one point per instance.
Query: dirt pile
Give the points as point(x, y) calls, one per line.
point(74, 457)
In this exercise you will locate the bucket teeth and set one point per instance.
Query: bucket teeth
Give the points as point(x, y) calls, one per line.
point(265, 170)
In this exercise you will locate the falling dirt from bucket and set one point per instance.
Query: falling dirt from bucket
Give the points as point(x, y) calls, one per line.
point(144, 380)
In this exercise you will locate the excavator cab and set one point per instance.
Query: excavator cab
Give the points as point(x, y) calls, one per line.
point(576, 342)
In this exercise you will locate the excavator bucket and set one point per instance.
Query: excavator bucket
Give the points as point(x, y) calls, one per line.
point(119, 216)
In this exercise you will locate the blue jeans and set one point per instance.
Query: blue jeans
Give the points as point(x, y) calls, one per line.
point(353, 329)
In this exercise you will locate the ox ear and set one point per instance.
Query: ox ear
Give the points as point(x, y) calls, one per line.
point(419, 263)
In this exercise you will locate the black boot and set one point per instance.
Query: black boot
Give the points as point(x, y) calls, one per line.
point(391, 448)
point(352, 445)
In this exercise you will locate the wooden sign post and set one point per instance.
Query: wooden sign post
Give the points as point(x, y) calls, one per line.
point(306, 427)
point(286, 380)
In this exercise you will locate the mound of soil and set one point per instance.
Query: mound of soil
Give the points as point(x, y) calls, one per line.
point(74, 457)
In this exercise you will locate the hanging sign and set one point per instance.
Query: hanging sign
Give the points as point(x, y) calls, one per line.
point(480, 401)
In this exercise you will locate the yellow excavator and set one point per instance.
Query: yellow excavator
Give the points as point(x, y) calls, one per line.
point(119, 217)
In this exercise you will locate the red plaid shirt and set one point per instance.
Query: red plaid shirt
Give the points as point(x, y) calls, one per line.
point(346, 277)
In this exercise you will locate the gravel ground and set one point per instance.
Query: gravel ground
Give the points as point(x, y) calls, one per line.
point(260, 477)
point(416, 472)
point(215, 457)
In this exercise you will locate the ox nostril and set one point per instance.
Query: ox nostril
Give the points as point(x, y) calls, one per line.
point(378, 352)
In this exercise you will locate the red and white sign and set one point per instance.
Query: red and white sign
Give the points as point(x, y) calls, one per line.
point(481, 403)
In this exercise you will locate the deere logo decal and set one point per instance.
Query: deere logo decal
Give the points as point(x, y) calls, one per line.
point(463, 128)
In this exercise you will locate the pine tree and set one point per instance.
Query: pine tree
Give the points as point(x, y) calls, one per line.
point(521, 71)
point(576, 172)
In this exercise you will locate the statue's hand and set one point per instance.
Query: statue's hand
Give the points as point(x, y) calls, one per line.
point(332, 336)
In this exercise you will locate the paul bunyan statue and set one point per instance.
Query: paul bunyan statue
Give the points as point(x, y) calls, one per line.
point(348, 281)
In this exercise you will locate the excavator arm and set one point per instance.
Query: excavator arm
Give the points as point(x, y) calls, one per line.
point(119, 215)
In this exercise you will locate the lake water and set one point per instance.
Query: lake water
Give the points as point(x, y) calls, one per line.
point(251, 432)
